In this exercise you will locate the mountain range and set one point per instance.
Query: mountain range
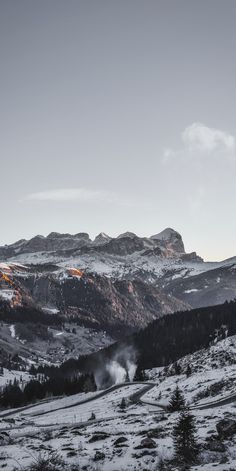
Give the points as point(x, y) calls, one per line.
point(159, 261)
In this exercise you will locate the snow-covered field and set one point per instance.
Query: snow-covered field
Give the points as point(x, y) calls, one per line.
point(9, 376)
point(64, 424)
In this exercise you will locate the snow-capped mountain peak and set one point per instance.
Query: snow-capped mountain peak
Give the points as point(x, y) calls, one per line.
point(166, 234)
point(101, 238)
point(131, 235)
point(171, 237)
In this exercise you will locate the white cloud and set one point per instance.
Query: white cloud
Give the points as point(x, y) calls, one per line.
point(168, 153)
point(83, 195)
point(201, 138)
point(71, 194)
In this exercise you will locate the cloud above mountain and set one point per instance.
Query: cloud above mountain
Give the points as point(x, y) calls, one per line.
point(83, 195)
point(71, 194)
point(201, 140)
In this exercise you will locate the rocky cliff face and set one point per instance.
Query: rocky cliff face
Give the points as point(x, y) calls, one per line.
point(124, 281)
point(169, 243)
point(118, 306)
point(171, 239)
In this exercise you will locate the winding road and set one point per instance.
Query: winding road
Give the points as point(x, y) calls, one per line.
point(135, 398)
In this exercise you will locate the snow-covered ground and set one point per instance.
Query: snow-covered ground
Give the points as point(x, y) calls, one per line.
point(7, 294)
point(213, 374)
point(116, 266)
point(63, 424)
point(9, 376)
point(68, 411)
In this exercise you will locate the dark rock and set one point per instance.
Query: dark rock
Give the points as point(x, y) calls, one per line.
point(191, 257)
point(144, 453)
point(122, 246)
point(146, 443)
point(99, 456)
point(120, 440)
point(155, 433)
point(226, 428)
point(98, 436)
point(215, 445)
point(10, 421)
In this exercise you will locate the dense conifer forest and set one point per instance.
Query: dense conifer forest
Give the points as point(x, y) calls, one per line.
point(169, 338)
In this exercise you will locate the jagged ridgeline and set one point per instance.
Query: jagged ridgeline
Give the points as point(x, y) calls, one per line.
point(169, 338)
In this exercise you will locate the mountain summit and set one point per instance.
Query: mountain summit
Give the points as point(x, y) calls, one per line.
point(166, 244)
point(172, 237)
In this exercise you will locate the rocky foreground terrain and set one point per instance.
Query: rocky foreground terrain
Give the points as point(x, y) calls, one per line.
point(128, 427)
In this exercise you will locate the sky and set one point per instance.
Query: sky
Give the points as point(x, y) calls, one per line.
point(119, 116)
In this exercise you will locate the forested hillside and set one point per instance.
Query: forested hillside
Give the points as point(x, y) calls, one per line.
point(169, 338)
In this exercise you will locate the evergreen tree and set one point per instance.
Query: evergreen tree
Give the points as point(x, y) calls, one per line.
point(188, 370)
point(12, 395)
point(184, 436)
point(177, 368)
point(32, 370)
point(123, 404)
point(140, 375)
point(89, 383)
point(92, 416)
point(34, 390)
point(177, 401)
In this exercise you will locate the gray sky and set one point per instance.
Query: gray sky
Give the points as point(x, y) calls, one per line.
point(119, 115)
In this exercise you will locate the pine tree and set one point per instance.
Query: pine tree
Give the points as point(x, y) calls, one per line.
point(188, 370)
point(123, 404)
point(89, 383)
point(140, 375)
point(32, 370)
point(184, 436)
point(12, 395)
point(177, 368)
point(177, 401)
point(92, 416)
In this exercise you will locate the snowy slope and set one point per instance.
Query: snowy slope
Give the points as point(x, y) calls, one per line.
point(160, 260)
point(63, 424)
point(213, 375)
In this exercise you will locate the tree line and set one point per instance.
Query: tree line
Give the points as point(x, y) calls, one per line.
point(12, 395)
point(170, 337)
point(27, 314)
